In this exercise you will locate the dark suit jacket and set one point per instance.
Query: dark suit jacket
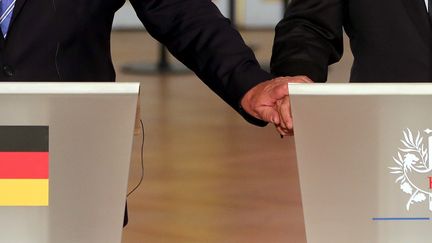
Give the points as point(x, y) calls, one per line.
point(390, 39)
point(69, 40)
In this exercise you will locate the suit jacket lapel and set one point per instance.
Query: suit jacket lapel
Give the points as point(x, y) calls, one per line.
point(416, 9)
point(18, 6)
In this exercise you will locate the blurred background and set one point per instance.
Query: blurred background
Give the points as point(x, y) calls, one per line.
point(209, 175)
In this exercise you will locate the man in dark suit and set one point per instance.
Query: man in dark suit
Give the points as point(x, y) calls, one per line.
point(390, 39)
point(63, 40)
point(69, 40)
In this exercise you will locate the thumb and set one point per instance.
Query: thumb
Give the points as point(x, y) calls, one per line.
point(269, 114)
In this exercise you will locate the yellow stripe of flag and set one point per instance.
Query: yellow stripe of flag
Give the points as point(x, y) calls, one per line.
point(24, 192)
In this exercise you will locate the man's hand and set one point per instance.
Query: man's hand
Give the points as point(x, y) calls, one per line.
point(269, 101)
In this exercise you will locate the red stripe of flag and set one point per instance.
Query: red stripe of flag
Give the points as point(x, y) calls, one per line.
point(24, 165)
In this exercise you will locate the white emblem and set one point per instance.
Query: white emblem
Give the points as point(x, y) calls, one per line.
point(413, 168)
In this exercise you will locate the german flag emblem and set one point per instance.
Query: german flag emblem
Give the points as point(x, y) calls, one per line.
point(24, 166)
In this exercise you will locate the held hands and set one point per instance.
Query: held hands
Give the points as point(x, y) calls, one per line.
point(269, 101)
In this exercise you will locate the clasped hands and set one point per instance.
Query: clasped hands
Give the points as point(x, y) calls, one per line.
point(269, 101)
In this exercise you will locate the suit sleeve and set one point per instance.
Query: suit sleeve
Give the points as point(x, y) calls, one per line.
point(198, 35)
point(308, 39)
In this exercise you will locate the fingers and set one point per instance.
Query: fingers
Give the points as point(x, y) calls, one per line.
point(284, 105)
point(285, 113)
point(284, 132)
point(281, 131)
point(269, 101)
point(285, 127)
point(268, 114)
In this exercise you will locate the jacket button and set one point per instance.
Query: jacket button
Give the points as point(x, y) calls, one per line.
point(8, 71)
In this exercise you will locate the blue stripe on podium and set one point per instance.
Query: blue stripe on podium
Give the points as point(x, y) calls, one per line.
point(401, 219)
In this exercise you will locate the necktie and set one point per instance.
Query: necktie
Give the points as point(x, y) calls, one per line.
point(6, 10)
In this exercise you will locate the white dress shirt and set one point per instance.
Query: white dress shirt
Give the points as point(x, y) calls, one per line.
point(427, 5)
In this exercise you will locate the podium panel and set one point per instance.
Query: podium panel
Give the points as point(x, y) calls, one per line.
point(90, 132)
point(363, 153)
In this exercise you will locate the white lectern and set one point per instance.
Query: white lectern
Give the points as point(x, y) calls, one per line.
point(364, 153)
point(65, 163)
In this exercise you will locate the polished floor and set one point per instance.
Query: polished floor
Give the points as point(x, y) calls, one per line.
point(209, 176)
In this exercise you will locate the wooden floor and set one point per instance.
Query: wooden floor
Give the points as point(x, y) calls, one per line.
point(209, 175)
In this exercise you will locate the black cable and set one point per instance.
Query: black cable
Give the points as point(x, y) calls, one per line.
point(142, 161)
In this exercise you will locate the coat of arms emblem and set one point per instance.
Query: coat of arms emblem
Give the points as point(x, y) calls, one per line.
point(413, 168)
